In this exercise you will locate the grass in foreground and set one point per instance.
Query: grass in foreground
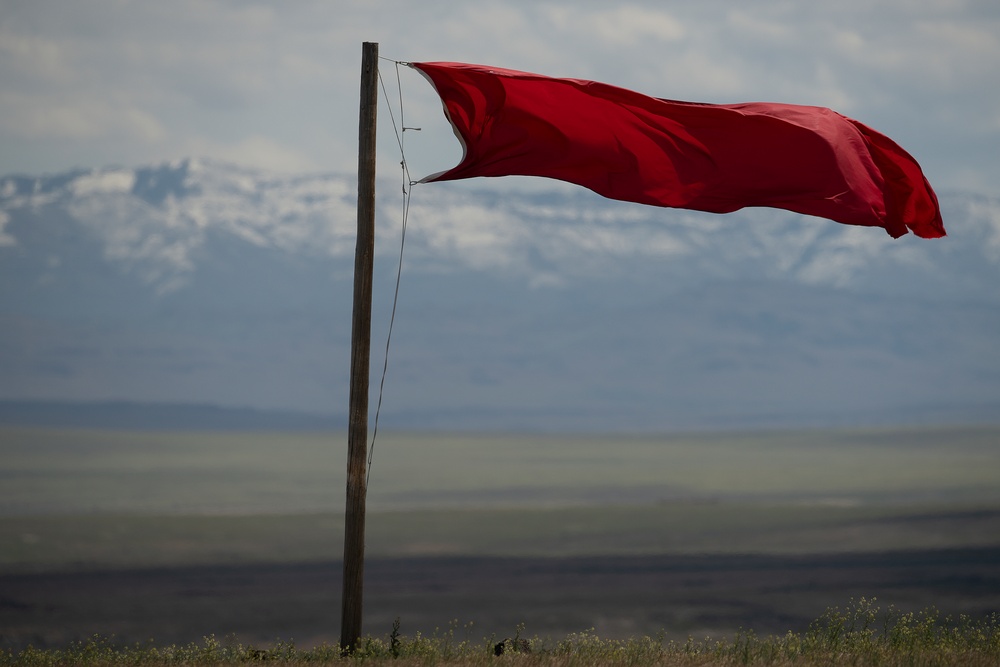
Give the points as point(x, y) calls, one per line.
point(862, 635)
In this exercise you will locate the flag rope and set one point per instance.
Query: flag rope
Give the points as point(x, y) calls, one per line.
point(408, 184)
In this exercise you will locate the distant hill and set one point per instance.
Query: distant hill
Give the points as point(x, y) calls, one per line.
point(201, 283)
point(158, 417)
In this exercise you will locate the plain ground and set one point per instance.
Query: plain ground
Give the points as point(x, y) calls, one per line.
point(176, 536)
point(621, 596)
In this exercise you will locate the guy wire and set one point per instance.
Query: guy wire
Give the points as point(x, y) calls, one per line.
point(407, 184)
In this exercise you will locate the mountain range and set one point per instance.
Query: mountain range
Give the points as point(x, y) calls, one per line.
point(541, 308)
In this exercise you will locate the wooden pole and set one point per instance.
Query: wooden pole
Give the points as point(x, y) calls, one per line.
point(357, 439)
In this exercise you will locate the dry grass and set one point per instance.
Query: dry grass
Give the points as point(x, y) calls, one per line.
point(862, 635)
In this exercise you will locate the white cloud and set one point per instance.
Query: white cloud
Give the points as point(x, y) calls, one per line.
point(35, 57)
point(750, 24)
point(252, 151)
point(623, 25)
point(98, 82)
point(79, 118)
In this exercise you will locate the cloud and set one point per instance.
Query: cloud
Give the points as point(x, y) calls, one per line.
point(622, 25)
point(751, 24)
point(35, 58)
point(111, 82)
point(252, 151)
point(77, 118)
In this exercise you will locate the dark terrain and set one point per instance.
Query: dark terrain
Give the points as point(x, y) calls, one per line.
point(616, 596)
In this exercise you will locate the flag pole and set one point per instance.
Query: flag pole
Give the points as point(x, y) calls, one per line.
point(357, 439)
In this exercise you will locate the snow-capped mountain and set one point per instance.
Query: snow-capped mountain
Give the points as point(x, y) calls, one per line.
point(199, 281)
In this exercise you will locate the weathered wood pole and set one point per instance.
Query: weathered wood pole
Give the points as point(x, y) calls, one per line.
point(357, 438)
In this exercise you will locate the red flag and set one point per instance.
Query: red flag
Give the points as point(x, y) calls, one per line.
point(708, 157)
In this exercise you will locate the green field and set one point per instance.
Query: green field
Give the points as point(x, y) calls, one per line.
point(194, 533)
point(84, 472)
point(104, 498)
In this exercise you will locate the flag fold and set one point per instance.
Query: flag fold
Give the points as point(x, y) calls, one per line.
point(708, 157)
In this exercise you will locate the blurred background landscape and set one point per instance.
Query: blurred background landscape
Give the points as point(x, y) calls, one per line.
point(596, 414)
point(178, 535)
point(205, 283)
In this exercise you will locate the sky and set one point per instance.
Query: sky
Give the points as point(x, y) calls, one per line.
point(97, 83)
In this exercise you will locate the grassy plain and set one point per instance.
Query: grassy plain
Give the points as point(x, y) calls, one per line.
point(78, 472)
point(96, 499)
point(99, 541)
point(169, 534)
